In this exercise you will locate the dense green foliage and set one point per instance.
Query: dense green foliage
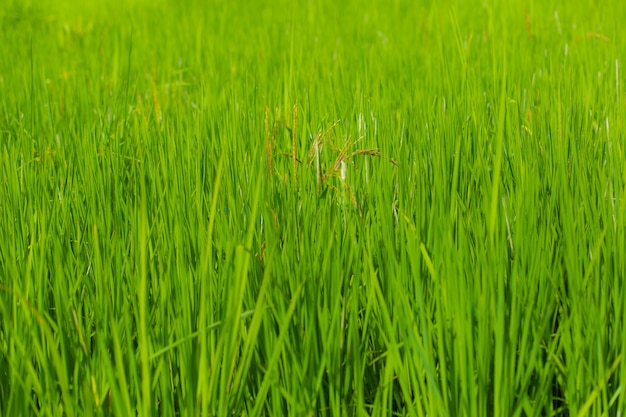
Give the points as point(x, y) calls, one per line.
point(323, 207)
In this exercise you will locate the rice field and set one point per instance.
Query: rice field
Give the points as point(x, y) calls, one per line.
point(316, 208)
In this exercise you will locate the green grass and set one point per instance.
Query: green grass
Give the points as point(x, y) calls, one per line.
point(316, 208)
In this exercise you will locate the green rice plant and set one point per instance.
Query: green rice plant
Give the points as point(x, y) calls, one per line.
point(329, 208)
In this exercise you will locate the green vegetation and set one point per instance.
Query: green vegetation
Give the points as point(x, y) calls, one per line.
point(326, 207)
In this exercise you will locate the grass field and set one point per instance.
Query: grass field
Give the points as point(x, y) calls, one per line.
point(246, 208)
